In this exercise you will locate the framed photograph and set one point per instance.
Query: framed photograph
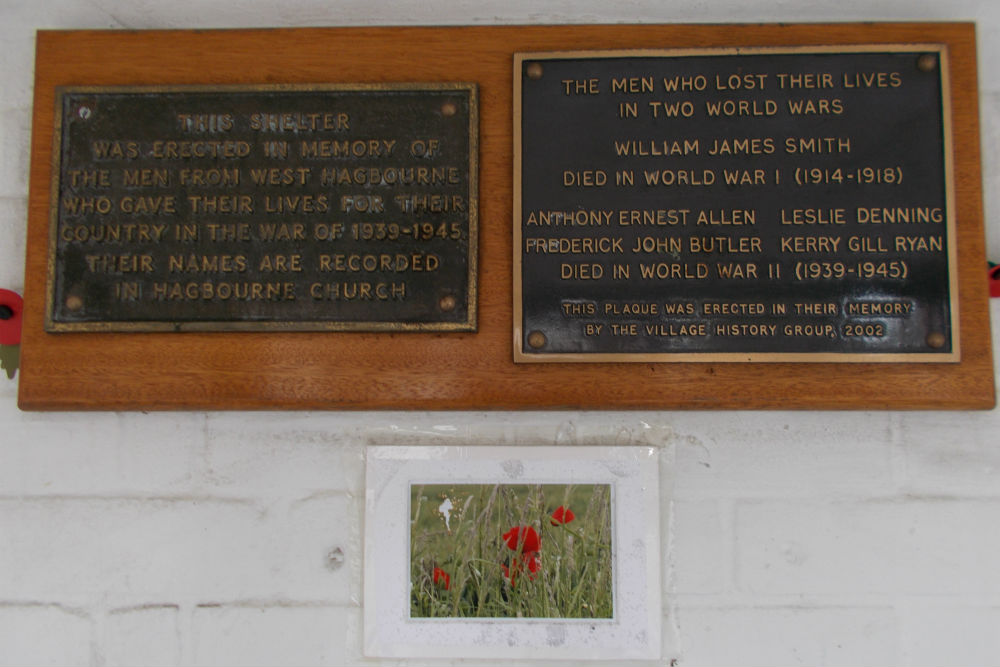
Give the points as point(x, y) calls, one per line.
point(512, 552)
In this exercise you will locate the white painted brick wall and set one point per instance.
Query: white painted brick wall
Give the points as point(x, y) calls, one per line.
point(989, 115)
point(148, 635)
point(703, 547)
point(765, 636)
point(45, 634)
point(265, 636)
point(108, 454)
point(206, 538)
point(275, 453)
point(900, 546)
point(954, 454)
point(803, 454)
point(15, 127)
point(970, 629)
point(137, 550)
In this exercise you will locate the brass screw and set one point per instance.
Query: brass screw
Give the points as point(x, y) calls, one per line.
point(447, 303)
point(936, 339)
point(926, 62)
point(534, 71)
point(536, 339)
point(74, 302)
point(449, 109)
point(84, 112)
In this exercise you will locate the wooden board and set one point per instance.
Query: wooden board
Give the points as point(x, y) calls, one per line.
point(442, 371)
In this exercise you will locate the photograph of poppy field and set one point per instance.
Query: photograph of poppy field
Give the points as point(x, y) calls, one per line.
point(511, 551)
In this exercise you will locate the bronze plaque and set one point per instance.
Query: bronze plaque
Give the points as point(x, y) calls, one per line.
point(323, 207)
point(785, 204)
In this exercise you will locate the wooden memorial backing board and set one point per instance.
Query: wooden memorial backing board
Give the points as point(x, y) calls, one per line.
point(466, 370)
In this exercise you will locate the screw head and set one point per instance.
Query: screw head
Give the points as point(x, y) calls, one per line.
point(73, 302)
point(936, 339)
point(449, 109)
point(84, 112)
point(447, 303)
point(927, 62)
point(537, 339)
point(534, 71)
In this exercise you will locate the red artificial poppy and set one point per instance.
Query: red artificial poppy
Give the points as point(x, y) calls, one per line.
point(441, 578)
point(523, 537)
point(562, 515)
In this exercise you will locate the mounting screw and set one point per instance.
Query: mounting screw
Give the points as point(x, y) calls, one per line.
point(449, 109)
point(83, 112)
point(936, 339)
point(74, 302)
point(447, 303)
point(927, 62)
point(534, 71)
point(536, 339)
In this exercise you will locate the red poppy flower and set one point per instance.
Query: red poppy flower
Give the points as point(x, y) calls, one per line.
point(533, 565)
point(531, 560)
point(441, 578)
point(523, 537)
point(562, 515)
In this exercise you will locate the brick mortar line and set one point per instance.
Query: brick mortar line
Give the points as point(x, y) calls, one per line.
point(267, 498)
point(74, 610)
point(818, 601)
point(899, 498)
point(180, 498)
point(276, 603)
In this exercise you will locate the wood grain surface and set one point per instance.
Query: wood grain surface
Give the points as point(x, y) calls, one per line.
point(436, 371)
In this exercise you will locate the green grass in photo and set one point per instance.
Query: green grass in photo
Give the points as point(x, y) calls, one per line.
point(510, 551)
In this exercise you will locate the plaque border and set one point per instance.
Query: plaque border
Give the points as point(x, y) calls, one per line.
point(954, 356)
point(141, 326)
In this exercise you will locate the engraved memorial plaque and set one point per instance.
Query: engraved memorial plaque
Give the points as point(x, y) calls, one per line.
point(323, 207)
point(785, 204)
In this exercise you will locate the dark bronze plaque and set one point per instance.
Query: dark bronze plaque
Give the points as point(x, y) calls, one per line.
point(328, 207)
point(734, 205)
